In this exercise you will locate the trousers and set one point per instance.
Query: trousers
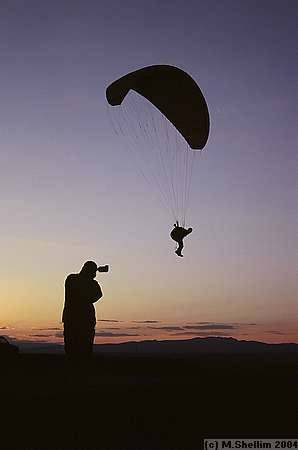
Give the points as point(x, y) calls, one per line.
point(78, 339)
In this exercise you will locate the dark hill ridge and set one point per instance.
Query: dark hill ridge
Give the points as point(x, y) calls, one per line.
point(191, 347)
point(198, 346)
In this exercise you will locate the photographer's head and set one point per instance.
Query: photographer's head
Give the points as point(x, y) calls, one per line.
point(89, 269)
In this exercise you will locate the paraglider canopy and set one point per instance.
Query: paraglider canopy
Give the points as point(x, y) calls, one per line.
point(174, 93)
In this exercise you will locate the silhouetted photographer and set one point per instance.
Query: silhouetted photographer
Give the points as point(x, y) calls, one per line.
point(79, 319)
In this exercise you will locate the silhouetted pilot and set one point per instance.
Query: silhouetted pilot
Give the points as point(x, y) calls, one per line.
point(81, 291)
point(178, 234)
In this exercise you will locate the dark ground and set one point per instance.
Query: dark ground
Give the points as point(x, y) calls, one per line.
point(139, 403)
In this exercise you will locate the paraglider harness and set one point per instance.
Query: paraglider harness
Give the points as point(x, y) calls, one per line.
point(179, 233)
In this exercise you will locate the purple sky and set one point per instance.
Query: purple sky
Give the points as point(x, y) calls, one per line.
point(69, 191)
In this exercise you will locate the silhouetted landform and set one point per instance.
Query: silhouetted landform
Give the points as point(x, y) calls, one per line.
point(163, 395)
point(187, 347)
point(7, 349)
point(197, 346)
point(142, 402)
point(40, 347)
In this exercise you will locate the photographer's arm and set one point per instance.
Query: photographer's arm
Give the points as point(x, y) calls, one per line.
point(97, 292)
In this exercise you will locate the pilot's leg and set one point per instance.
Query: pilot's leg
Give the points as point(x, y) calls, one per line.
point(188, 231)
point(179, 249)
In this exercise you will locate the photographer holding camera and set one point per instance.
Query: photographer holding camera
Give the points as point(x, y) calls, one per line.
point(79, 319)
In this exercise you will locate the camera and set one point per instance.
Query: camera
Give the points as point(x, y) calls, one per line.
point(103, 268)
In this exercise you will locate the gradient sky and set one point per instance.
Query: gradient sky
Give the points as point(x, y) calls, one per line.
point(69, 192)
